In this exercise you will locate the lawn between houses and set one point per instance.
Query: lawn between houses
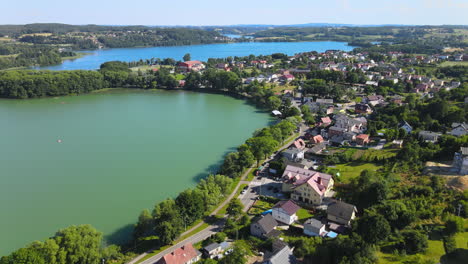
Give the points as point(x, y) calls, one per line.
point(434, 251)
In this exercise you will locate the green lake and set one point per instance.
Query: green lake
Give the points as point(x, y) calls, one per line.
point(101, 158)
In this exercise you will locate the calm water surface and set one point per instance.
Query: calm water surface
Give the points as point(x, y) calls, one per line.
point(121, 152)
point(198, 52)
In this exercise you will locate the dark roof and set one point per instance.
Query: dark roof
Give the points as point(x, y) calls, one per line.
point(314, 223)
point(268, 223)
point(317, 148)
point(289, 206)
point(283, 256)
point(211, 247)
point(341, 209)
point(273, 233)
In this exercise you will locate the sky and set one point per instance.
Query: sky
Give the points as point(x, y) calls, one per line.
point(233, 12)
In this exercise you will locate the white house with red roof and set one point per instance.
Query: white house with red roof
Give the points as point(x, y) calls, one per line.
point(285, 212)
point(306, 186)
point(188, 66)
point(186, 254)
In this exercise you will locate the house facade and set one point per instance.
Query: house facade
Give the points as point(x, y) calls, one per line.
point(263, 227)
point(188, 66)
point(314, 227)
point(285, 212)
point(341, 212)
point(306, 186)
point(459, 129)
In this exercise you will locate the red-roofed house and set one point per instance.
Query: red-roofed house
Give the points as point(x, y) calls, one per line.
point(287, 77)
point(285, 212)
point(191, 66)
point(317, 139)
point(187, 254)
point(299, 144)
point(362, 139)
point(326, 121)
point(306, 185)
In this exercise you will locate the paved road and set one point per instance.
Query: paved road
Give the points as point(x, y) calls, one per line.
point(247, 200)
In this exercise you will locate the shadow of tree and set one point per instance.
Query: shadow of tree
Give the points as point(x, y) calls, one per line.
point(460, 255)
point(120, 236)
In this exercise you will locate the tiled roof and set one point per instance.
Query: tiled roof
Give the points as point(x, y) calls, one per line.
point(341, 209)
point(180, 255)
point(288, 206)
point(268, 223)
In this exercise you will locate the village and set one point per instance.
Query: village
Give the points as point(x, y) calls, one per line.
point(291, 191)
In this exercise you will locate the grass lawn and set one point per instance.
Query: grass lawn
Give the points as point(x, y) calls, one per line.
point(280, 88)
point(352, 170)
point(434, 251)
point(453, 63)
point(144, 68)
point(259, 207)
point(179, 76)
point(303, 215)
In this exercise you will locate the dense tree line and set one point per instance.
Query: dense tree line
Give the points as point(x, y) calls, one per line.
point(170, 217)
point(93, 36)
point(72, 245)
point(20, 55)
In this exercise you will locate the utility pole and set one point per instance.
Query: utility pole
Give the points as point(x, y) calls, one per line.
point(459, 209)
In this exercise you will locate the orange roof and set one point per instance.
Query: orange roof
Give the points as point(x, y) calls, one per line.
point(193, 62)
point(181, 255)
point(363, 136)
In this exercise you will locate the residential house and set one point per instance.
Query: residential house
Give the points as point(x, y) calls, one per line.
point(293, 154)
point(306, 186)
point(460, 161)
point(336, 131)
point(362, 139)
point(223, 66)
point(421, 88)
point(186, 254)
point(429, 136)
point(373, 83)
point(341, 212)
point(264, 227)
point(287, 77)
point(299, 144)
point(325, 121)
point(285, 212)
point(282, 254)
point(362, 108)
point(317, 139)
point(314, 227)
point(324, 101)
point(407, 127)
point(212, 250)
point(356, 125)
point(349, 136)
point(459, 129)
point(374, 100)
point(188, 66)
point(317, 149)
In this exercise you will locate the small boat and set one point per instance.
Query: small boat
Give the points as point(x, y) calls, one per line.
point(59, 141)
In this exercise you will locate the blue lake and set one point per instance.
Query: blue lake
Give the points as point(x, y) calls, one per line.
point(198, 52)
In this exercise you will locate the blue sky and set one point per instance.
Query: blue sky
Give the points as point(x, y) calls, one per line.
point(218, 12)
